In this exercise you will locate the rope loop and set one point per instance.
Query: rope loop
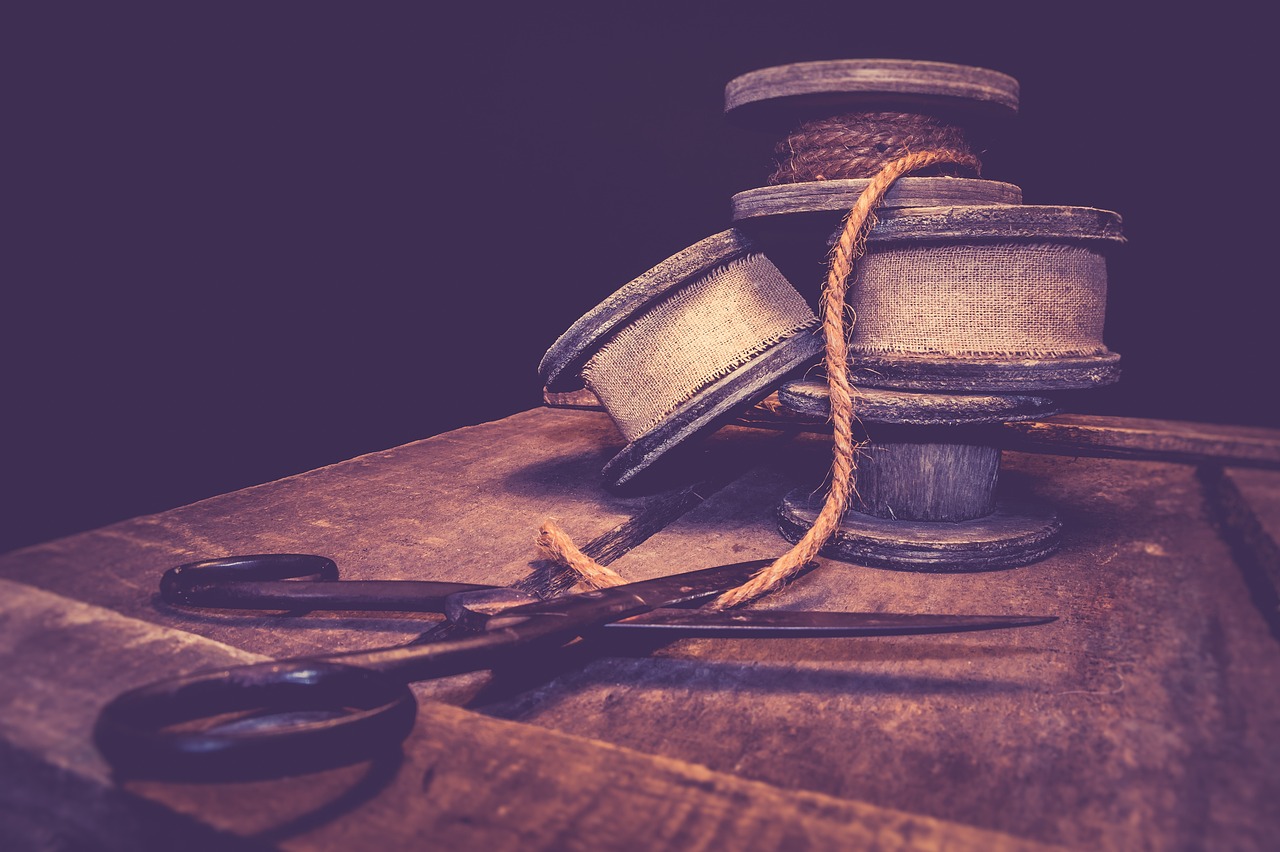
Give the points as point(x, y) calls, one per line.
point(851, 245)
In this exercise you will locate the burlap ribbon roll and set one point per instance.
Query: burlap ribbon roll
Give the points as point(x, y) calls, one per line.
point(1035, 300)
point(696, 335)
point(677, 349)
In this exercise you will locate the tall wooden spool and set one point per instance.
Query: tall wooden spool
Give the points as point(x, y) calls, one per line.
point(969, 307)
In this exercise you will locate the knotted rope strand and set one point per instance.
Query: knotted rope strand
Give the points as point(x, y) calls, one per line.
point(850, 246)
point(553, 543)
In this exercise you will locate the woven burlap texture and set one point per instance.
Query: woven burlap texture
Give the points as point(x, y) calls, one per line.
point(694, 336)
point(1039, 300)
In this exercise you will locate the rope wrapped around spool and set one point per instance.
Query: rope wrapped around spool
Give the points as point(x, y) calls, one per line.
point(844, 120)
point(680, 348)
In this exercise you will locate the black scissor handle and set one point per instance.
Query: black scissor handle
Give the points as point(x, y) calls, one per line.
point(196, 583)
point(294, 716)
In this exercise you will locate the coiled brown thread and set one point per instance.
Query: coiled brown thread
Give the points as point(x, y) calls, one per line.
point(859, 144)
point(851, 245)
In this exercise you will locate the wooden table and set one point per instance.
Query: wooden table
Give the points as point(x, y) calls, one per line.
point(1148, 716)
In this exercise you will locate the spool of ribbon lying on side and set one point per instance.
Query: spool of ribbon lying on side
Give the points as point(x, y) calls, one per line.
point(680, 348)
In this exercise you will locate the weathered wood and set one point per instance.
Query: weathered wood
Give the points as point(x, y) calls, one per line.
point(809, 398)
point(577, 398)
point(925, 484)
point(464, 506)
point(1088, 435)
point(837, 196)
point(1245, 504)
point(927, 481)
point(1138, 438)
point(760, 96)
point(655, 513)
point(580, 398)
point(1009, 534)
point(985, 375)
point(1039, 222)
point(464, 781)
point(1148, 716)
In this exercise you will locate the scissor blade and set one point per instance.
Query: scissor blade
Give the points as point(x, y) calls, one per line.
point(590, 609)
point(759, 624)
point(692, 586)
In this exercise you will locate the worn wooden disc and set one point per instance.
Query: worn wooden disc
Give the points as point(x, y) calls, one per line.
point(714, 404)
point(998, 222)
point(1016, 533)
point(985, 375)
point(809, 397)
point(840, 195)
point(562, 363)
point(780, 92)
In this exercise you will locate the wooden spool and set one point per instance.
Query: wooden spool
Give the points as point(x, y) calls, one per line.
point(1016, 298)
point(783, 93)
point(926, 485)
point(848, 117)
point(792, 219)
point(679, 349)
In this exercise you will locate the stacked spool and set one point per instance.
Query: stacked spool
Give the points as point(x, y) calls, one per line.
point(970, 306)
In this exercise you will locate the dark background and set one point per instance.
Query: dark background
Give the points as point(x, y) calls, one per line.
point(247, 240)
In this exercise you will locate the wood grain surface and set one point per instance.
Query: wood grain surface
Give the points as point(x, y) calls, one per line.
point(1146, 717)
point(838, 196)
point(845, 84)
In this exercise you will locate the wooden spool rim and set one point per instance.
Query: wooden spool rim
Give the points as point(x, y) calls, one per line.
point(565, 359)
point(715, 403)
point(769, 95)
point(1016, 533)
point(809, 397)
point(838, 196)
point(998, 222)
point(985, 375)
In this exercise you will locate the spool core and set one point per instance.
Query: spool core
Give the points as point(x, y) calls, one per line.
point(927, 496)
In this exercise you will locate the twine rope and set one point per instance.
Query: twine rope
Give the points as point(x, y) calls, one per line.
point(555, 544)
point(859, 144)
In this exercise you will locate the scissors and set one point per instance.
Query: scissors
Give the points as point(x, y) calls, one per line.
point(304, 714)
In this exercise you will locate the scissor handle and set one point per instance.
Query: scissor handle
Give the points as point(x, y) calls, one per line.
point(294, 716)
point(263, 582)
point(193, 582)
